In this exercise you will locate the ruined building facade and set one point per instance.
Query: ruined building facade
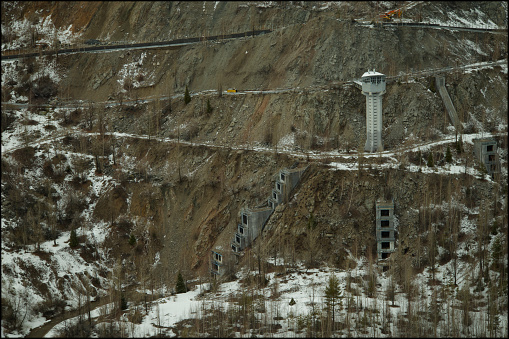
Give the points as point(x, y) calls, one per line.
point(385, 232)
point(253, 220)
point(485, 151)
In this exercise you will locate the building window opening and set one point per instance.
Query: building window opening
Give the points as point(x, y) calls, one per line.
point(237, 238)
point(282, 177)
point(274, 195)
point(384, 223)
point(386, 245)
point(244, 219)
point(384, 213)
point(218, 257)
point(215, 267)
point(385, 255)
point(489, 148)
point(278, 186)
point(386, 234)
point(234, 249)
point(241, 230)
point(491, 157)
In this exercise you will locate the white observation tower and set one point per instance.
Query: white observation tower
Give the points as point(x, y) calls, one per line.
point(373, 87)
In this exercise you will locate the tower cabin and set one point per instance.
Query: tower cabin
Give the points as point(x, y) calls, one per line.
point(373, 87)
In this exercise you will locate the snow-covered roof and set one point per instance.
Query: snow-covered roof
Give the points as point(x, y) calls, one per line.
point(371, 73)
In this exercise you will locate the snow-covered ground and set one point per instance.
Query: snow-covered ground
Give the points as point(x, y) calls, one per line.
point(306, 287)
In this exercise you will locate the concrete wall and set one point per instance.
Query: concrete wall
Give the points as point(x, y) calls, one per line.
point(451, 111)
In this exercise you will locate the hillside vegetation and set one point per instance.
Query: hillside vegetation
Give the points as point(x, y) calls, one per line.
point(116, 184)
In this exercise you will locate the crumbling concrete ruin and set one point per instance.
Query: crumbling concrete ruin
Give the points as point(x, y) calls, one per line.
point(385, 233)
point(485, 151)
point(253, 220)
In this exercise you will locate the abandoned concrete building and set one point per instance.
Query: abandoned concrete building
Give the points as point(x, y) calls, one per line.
point(220, 264)
point(286, 181)
point(251, 225)
point(253, 220)
point(385, 233)
point(373, 87)
point(485, 151)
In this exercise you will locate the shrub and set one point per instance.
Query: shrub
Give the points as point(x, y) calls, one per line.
point(132, 240)
point(73, 242)
point(432, 84)
point(209, 107)
point(459, 145)
point(448, 154)
point(180, 286)
point(24, 156)
point(187, 97)
point(430, 160)
point(123, 302)
point(45, 88)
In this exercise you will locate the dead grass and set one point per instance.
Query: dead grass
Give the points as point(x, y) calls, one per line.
point(25, 156)
point(111, 204)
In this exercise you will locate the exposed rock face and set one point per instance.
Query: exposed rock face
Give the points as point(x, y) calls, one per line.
point(180, 199)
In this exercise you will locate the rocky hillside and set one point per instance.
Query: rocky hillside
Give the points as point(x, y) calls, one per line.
point(109, 174)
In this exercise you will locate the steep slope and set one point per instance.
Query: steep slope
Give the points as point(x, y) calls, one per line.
point(173, 177)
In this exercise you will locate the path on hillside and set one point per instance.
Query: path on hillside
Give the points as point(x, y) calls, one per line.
point(41, 331)
point(116, 46)
point(325, 157)
point(331, 85)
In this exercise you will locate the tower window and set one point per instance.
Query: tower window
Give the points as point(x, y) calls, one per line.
point(385, 255)
point(215, 267)
point(386, 234)
point(489, 148)
point(274, 195)
point(218, 257)
point(491, 157)
point(384, 213)
point(244, 219)
point(384, 223)
point(386, 245)
point(282, 177)
point(241, 230)
point(237, 238)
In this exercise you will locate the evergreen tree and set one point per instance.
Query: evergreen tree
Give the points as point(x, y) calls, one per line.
point(448, 154)
point(132, 240)
point(332, 295)
point(181, 286)
point(430, 160)
point(459, 145)
point(123, 302)
point(209, 107)
point(187, 97)
point(73, 242)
